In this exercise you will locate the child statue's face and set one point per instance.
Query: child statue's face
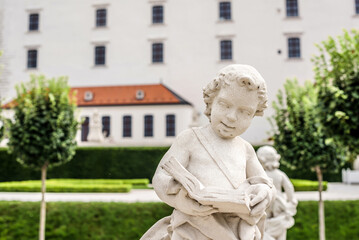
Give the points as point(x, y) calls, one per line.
point(233, 110)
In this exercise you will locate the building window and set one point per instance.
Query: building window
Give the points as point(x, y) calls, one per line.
point(293, 48)
point(148, 126)
point(357, 6)
point(34, 22)
point(157, 14)
point(101, 15)
point(85, 129)
point(292, 8)
point(225, 11)
point(106, 123)
point(157, 52)
point(170, 125)
point(32, 58)
point(226, 50)
point(127, 126)
point(100, 55)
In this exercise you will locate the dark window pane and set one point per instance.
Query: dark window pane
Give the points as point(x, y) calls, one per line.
point(101, 17)
point(157, 14)
point(32, 58)
point(85, 129)
point(106, 123)
point(292, 8)
point(100, 55)
point(127, 126)
point(170, 125)
point(357, 6)
point(157, 52)
point(148, 126)
point(226, 50)
point(225, 10)
point(34, 22)
point(293, 47)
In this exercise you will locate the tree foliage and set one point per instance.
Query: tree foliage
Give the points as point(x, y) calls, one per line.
point(337, 76)
point(298, 137)
point(44, 126)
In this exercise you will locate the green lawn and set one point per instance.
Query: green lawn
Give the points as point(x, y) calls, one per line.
point(110, 185)
point(75, 185)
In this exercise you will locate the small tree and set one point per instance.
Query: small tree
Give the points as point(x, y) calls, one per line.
point(298, 137)
point(44, 128)
point(337, 76)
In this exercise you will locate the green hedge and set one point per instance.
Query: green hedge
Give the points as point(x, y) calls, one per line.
point(307, 185)
point(91, 163)
point(112, 163)
point(128, 221)
point(75, 185)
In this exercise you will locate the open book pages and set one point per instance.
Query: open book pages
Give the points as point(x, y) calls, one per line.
point(230, 200)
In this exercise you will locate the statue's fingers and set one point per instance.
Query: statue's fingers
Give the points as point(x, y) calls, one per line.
point(258, 198)
point(259, 208)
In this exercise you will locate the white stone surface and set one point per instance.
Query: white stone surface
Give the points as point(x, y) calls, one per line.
point(356, 163)
point(95, 129)
point(191, 34)
point(280, 213)
point(210, 175)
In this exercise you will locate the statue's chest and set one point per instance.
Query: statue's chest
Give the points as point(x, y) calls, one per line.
point(228, 170)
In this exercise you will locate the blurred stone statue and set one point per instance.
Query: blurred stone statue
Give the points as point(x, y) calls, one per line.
point(281, 212)
point(210, 175)
point(95, 130)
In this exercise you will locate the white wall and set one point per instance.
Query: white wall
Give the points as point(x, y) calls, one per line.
point(191, 35)
point(183, 120)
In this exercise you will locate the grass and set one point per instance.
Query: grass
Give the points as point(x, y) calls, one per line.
point(76, 185)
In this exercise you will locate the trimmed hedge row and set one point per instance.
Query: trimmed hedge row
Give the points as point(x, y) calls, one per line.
point(75, 185)
point(128, 221)
point(91, 163)
point(111, 163)
point(307, 185)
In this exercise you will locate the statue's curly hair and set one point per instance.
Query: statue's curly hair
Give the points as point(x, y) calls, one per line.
point(245, 76)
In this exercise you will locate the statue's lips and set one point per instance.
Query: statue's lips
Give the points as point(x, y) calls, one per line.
point(227, 126)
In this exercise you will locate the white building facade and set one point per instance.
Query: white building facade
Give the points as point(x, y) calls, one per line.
point(181, 43)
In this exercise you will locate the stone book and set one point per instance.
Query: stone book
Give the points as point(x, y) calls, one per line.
point(225, 200)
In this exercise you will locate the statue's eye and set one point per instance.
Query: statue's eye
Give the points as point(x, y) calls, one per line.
point(223, 104)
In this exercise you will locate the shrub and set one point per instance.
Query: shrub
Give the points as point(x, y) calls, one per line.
point(129, 221)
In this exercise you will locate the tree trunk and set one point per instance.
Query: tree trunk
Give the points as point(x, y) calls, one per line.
point(321, 204)
point(43, 203)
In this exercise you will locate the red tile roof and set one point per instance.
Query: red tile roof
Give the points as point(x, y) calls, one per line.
point(126, 95)
point(123, 95)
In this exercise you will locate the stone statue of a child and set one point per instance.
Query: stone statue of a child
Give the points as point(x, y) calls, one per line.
point(280, 213)
point(222, 165)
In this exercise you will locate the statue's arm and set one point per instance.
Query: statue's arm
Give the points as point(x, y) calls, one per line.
point(169, 190)
point(287, 186)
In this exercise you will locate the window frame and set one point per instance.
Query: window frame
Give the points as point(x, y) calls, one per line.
point(127, 126)
point(100, 60)
point(148, 125)
point(100, 21)
point(226, 54)
point(225, 11)
point(292, 8)
point(32, 58)
point(170, 125)
point(157, 16)
point(294, 47)
point(31, 27)
point(157, 53)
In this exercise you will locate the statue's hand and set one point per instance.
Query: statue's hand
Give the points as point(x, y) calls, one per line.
point(260, 197)
point(190, 206)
